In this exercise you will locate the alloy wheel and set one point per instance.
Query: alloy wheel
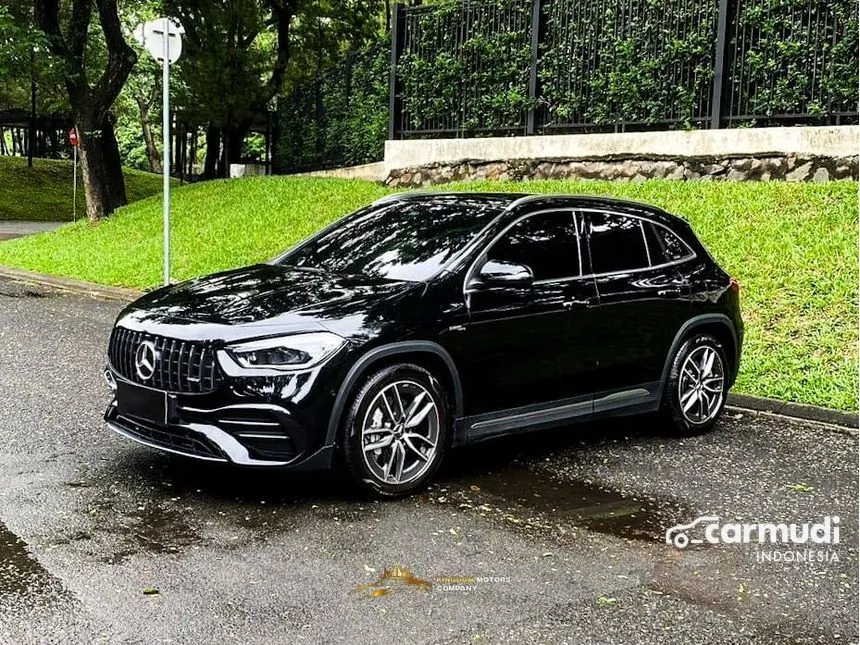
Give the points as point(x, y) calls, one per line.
point(701, 386)
point(400, 432)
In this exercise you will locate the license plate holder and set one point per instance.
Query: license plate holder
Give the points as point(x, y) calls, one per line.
point(141, 402)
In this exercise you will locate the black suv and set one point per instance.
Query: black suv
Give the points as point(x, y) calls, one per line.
point(426, 321)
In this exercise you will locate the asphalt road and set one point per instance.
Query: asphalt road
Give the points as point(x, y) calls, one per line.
point(562, 531)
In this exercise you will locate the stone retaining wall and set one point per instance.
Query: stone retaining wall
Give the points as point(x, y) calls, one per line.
point(620, 168)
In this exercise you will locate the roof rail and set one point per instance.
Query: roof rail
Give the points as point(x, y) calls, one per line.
point(525, 200)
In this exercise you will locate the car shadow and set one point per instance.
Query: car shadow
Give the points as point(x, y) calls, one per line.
point(222, 482)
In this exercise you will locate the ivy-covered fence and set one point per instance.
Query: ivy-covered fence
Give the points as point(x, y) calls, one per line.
point(339, 118)
point(508, 67)
point(477, 67)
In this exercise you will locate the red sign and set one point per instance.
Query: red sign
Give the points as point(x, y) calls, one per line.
point(73, 137)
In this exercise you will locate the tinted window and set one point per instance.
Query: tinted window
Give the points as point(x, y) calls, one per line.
point(546, 243)
point(617, 243)
point(397, 240)
point(673, 247)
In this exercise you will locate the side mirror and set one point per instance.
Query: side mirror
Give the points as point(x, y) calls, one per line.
point(503, 274)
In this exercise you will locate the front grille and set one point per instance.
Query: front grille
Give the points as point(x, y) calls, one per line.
point(180, 366)
point(173, 437)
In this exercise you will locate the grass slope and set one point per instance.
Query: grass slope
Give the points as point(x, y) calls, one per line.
point(793, 247)
point(44, 192)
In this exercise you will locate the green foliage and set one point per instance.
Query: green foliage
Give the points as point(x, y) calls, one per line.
point(129, 138)
point(804, 56)
point(793, 247)
point(475, 78)
point(228, 55)
point(465, 66)
point(24, 56)
point(627, 63)
point(44, 192)
point(339, 120)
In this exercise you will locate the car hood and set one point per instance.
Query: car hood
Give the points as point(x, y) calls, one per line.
point(252, 301)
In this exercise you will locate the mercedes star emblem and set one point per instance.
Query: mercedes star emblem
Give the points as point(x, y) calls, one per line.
point(144, 360)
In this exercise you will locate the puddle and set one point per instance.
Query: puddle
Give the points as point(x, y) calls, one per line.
point(20, 573)
point(517, 492)
point(154, 529)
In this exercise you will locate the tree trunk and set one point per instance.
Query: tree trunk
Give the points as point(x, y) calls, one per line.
point(152, 153)
point(114, 174)
point(104, 184)
point(93, 167)
point(213, 141)
point(236, 141)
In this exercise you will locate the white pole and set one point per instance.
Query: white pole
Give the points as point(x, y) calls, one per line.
point(165, 126)
point(75, 184)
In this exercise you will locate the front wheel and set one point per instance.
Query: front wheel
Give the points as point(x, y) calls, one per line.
point(697, 385)
point(396, 430)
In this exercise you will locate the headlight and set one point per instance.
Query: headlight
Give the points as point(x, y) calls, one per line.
point(282, 354)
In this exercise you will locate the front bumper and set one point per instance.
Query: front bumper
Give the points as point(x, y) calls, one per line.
point(219, 428)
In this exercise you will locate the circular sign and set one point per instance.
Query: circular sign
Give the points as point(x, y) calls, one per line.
point(151, 36)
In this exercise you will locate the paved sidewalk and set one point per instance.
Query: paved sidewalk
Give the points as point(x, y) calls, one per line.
point(10, 229)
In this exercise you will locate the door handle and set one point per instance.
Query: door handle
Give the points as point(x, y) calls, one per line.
point(669, 293)
point(588, 302)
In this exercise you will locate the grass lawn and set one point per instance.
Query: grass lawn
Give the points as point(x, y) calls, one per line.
point(793, 247)
point(44, 192)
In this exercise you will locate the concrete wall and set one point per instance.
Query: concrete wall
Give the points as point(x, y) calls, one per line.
point(804, 142)
point(369, 171)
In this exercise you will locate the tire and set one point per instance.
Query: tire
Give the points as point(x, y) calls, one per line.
point(692, 404)
point(383, 410)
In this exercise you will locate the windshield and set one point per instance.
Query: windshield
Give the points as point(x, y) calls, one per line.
point(397, 240)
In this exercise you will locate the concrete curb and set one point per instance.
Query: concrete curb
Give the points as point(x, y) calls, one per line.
point(755, 403)
point(67, 285)
point(794, 410)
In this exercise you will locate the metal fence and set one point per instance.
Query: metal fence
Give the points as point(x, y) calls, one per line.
point(503, 67)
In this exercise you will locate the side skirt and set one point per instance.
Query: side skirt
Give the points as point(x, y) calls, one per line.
point(638, 400)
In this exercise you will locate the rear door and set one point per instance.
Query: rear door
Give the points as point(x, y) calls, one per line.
point(644, 299)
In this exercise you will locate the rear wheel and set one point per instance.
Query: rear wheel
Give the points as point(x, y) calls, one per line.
point(697, 385)
point(396, 430)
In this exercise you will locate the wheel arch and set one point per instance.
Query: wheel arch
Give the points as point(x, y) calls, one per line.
point(427, 354)
point(718, 325)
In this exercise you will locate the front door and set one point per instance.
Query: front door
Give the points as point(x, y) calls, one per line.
point(534, 344)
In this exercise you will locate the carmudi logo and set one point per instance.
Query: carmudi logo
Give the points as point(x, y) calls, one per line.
point(709, 530)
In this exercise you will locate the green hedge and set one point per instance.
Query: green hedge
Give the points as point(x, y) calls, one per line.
point(643, 63)
point(341, 119)
point(793, 56)
point(464, 70)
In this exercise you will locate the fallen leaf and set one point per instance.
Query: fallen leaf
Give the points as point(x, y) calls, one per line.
point(603, 600)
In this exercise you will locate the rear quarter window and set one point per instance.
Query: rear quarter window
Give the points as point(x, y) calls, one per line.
point(673, 247)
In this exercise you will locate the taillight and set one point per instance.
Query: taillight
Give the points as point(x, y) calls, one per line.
point(734, 286)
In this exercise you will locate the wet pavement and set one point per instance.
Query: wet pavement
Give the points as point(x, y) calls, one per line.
point(548, 538)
